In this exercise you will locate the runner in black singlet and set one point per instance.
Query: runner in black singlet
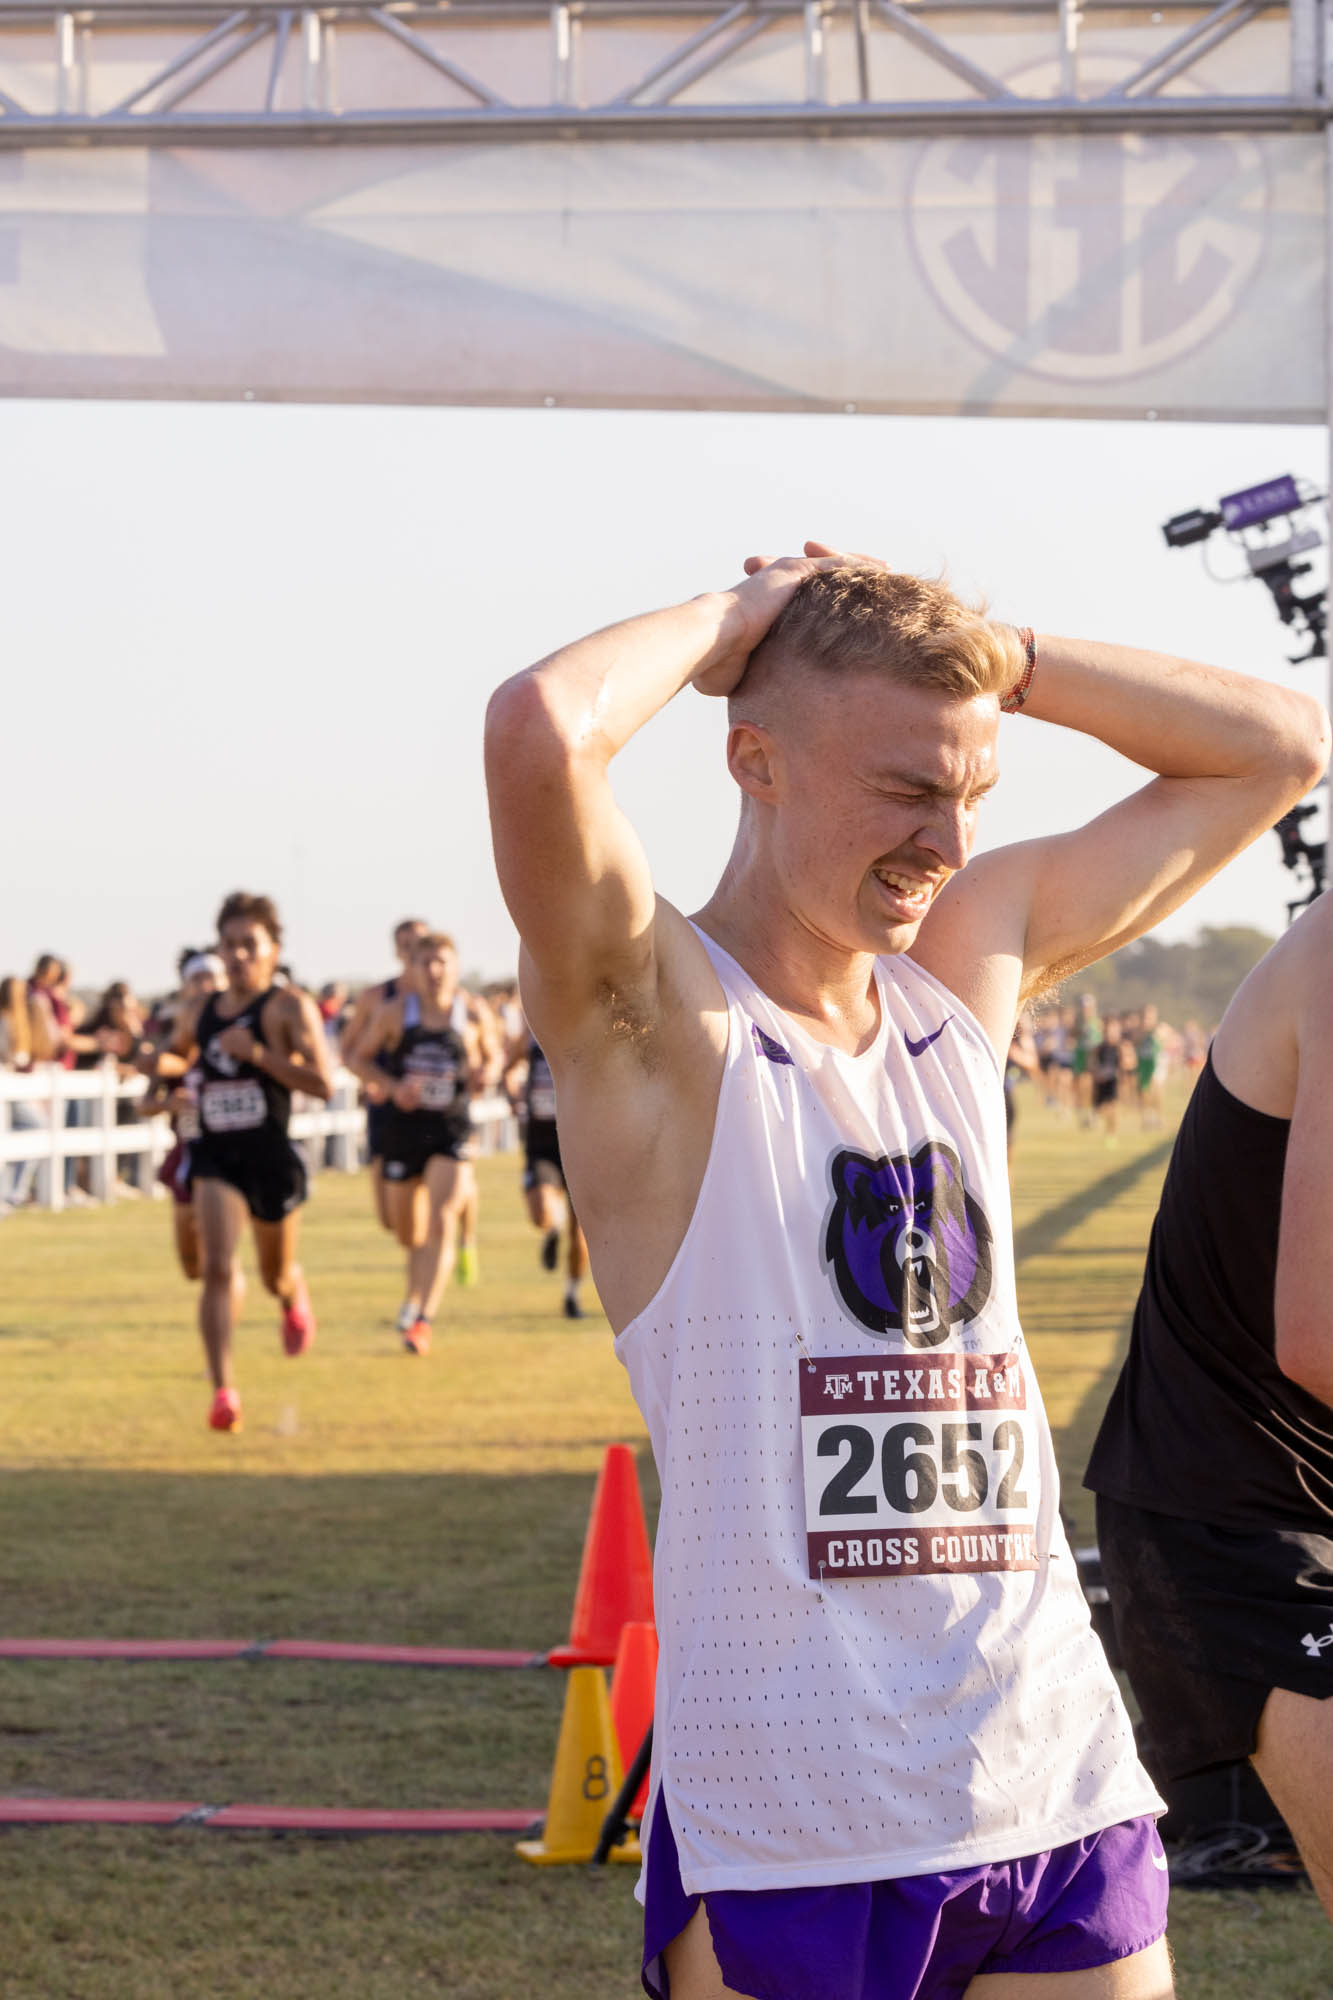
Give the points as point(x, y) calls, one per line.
point(1214, 1465)
point(201, 973)
point(364, 1009)
point(252, 1046)
point(528, 1076)
point(424, 1055)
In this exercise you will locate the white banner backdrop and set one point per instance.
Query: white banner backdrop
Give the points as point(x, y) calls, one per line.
point(1061, 275)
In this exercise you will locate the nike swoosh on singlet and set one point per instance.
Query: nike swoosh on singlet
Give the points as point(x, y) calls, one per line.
point(919, 1048)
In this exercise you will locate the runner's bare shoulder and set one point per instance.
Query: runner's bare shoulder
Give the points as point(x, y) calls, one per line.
point(1284, 1003)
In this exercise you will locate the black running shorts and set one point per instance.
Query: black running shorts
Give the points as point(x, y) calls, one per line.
point(414, 1138)
point(267, 1170)
point(541, 1146)
point(1210, 1621)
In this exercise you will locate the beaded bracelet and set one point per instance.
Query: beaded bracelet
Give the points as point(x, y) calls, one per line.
point(1018, 693)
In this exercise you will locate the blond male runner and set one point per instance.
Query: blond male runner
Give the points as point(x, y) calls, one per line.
point(878, 1695)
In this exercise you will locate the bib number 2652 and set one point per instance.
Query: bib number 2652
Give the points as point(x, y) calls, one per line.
point(929, 1469)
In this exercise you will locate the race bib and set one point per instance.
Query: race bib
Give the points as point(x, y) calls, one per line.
point(541, 1101)
point(917, 1467)
point(233, 1107)
point(438, 1092)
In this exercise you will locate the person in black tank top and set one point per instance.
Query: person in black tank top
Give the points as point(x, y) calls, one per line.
point(252, 1046)
point(201, 974)
point(423, 1055)
point(532, 1091)
point(406, 936)
point(1214, 1464)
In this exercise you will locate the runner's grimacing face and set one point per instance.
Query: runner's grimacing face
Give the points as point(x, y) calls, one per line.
point(878, 790)
point(249, 954)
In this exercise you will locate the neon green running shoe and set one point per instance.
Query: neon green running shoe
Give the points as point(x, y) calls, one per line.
point(467, 1271)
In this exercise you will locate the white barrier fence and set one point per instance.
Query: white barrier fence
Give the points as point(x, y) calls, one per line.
point(49, 1115)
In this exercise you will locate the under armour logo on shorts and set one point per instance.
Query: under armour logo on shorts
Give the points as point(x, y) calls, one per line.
point(1314, 1647)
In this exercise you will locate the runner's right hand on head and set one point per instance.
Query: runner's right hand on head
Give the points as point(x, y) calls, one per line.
point(752, 607)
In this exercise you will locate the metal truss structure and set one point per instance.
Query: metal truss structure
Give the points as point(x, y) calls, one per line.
point(196, 72)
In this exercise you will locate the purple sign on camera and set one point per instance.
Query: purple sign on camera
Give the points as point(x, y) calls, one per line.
point(1257, 504)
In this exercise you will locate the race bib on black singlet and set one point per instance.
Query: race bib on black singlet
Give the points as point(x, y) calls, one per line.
point(233, 1107)
point(438, 1092)
point(918, 1466)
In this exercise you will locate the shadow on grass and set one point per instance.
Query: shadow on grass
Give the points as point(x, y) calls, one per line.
point(454, 1559)
point(1045, 1231)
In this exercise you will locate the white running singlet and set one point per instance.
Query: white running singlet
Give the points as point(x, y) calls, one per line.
point(876, 1659)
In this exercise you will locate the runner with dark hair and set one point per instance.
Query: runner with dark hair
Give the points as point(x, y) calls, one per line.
point(253, 1046)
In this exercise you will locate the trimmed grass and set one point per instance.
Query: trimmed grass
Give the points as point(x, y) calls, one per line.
point(374, 1497)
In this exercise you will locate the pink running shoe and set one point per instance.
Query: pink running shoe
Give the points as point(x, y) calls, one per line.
point(298, 1323)
point(225, 1414)
point(417, 1339)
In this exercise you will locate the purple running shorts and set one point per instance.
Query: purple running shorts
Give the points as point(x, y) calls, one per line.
point(920, 1937)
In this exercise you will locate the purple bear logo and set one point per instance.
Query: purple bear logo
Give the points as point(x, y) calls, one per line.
point(909, 1248)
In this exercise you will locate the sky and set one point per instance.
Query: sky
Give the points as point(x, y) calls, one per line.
point(251, 646)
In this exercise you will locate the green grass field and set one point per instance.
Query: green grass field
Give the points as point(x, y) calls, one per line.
point(374, 1497)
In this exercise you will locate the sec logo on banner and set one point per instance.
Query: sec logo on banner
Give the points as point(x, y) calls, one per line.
point(1089, 259)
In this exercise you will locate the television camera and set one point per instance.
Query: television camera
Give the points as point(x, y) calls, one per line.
point(1271, 526)
point(1299, 853)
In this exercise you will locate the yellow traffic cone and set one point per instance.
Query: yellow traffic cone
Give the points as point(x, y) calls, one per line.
point(586, 1778)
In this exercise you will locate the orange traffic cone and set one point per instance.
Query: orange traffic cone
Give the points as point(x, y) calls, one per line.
point(586, 1778)
point(615, 1585)
point(633, 1685)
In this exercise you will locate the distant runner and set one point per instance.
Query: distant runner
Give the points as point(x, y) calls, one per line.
point(1150, 1069)
point(529, 1075)
point(252, 1045)
point(406, 936)
point(423, 1055)
point(201, 974)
